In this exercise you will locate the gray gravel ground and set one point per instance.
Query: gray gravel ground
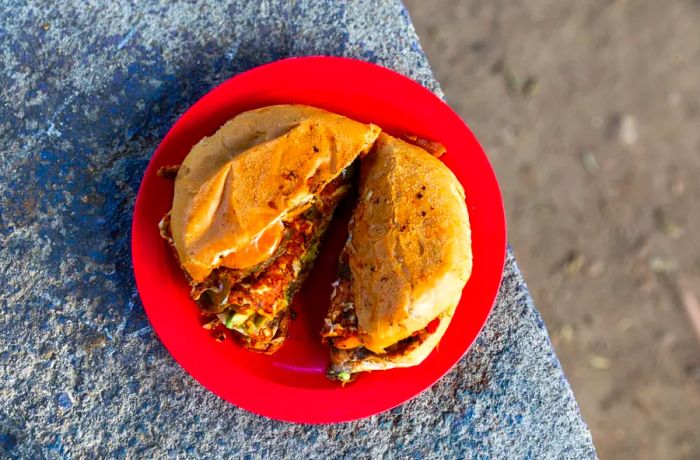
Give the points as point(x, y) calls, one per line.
point(87, 90)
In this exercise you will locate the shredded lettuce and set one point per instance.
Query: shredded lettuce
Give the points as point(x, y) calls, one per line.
point(234, 319)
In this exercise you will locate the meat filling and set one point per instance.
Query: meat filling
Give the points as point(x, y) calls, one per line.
point(254, 302)
point(168, 172)
point(340, 327)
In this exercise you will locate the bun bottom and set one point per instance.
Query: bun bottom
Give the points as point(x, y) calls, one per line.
point(346, 364)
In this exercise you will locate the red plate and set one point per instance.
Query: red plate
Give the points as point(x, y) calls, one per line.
point(290, 385)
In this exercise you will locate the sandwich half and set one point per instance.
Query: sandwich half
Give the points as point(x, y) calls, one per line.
point(250, 206)
point(403, 268)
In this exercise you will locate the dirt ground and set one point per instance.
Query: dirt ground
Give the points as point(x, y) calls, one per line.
point(590, 114)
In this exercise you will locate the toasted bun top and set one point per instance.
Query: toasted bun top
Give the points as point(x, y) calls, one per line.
point(252, 172)
point(410, 245)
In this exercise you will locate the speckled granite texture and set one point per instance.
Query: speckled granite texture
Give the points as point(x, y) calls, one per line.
point(87, 90)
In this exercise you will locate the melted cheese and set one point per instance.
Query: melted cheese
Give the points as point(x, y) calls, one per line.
point(258, 251)
point(349, 342)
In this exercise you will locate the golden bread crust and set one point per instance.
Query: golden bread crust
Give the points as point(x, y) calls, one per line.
point(256, 169)
point(410, 245)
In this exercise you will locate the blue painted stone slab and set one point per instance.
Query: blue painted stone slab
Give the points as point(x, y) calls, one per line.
point(87, 90)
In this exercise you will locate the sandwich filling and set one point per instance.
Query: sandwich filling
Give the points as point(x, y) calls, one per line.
point(341, 332)
point(254, 302)
point(405, 264)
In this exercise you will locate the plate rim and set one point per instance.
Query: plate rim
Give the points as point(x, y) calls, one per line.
point(273, 66)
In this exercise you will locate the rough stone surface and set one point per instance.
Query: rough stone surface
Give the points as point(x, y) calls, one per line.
point(87, 91)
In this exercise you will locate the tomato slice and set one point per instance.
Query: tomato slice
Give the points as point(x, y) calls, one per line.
point(433, 325)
